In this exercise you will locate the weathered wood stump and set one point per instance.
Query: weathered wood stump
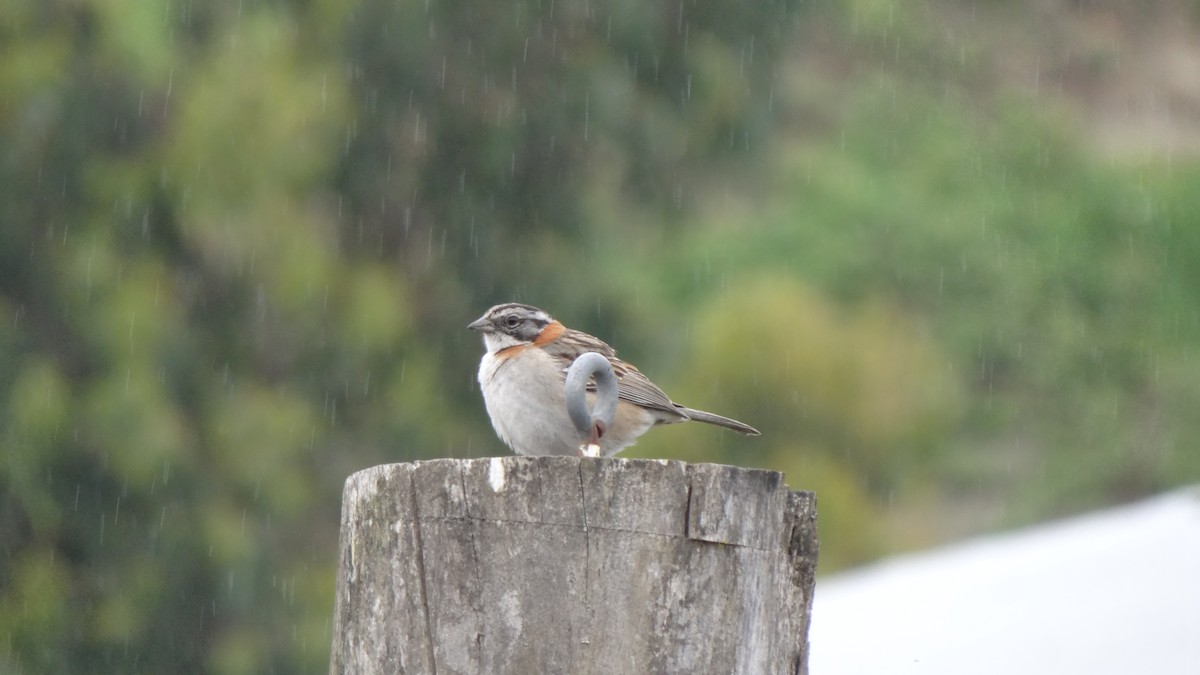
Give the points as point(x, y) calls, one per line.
point(569, 565)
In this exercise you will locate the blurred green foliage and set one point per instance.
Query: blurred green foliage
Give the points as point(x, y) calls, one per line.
point(239, 243)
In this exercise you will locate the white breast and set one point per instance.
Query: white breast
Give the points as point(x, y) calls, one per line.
point(524, 398)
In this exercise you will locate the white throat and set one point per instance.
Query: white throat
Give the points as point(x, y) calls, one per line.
point(494, 342)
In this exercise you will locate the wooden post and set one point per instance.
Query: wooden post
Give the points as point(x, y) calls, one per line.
point(573, 565)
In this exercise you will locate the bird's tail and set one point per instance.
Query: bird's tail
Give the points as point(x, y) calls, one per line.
point(710, 418)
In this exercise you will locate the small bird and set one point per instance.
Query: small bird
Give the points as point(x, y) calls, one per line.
point(522, 376)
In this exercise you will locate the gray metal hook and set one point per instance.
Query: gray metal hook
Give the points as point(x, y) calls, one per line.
point(591, 424)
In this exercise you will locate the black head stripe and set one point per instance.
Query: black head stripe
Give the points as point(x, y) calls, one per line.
point(509, 306)
point(521, 321)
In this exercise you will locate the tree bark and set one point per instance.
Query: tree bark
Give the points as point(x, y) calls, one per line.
point(570, 565)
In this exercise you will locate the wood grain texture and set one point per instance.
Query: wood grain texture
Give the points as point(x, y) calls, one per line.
point(570, 565)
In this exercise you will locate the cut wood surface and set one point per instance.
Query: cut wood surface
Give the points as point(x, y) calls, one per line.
point(573, 565)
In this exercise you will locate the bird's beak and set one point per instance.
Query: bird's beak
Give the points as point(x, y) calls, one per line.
point(481, 324)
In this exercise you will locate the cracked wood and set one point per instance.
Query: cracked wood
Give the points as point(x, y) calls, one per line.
point(562, 564)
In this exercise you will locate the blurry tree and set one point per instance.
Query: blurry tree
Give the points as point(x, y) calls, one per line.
point(1056, 319)
point(238, 245)
point(482, 132)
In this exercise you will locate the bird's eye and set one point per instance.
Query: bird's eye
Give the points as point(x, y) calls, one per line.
point(511, 321)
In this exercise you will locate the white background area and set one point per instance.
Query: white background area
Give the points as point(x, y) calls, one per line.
point(1115, 592)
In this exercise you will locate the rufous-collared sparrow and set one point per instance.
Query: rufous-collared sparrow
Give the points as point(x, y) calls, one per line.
point(522, 376)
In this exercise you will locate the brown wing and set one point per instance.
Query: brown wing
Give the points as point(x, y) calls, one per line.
point(636, 388)
point(632, 385)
